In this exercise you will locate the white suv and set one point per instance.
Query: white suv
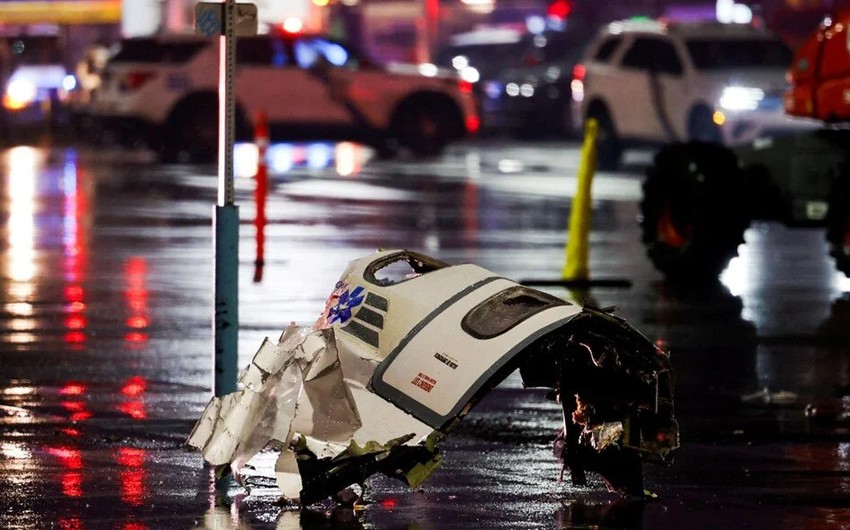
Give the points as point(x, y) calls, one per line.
point(165, 89)
point(649, 82)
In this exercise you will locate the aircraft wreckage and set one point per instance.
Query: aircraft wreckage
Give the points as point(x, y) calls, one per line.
point(405, 347)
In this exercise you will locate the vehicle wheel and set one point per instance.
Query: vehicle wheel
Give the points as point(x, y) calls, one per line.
point(838, 224)
point(701, 126)
point(191, 133)
point(693, 216)
point(609, 148)
point(425, 126)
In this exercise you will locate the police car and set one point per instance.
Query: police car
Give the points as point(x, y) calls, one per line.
point(164, 89)
point(654, 82)
point(35, 83)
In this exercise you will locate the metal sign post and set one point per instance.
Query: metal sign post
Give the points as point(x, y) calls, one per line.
point(223, 19)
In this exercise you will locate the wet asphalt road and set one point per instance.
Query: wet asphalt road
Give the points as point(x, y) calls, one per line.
point(106, 346)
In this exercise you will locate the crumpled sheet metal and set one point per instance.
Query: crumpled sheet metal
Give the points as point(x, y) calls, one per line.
point(296, 389)
point(396, 359)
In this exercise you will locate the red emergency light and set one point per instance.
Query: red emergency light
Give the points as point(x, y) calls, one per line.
point(559, 9)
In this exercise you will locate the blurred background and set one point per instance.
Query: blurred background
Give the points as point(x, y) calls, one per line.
point(69, 41)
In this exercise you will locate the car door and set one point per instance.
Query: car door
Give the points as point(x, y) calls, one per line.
point(273, 78)
point(324, 70)
point(648, 90)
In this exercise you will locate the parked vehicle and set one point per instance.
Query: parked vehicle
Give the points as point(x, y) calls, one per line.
point(534, 98)
point(700, 197)
point(649, 82)
point(164, 90)
point(478, 56)
point(34, 80)
point(820, 74)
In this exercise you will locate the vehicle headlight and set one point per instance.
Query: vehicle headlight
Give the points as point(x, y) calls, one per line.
point(69, 83)
point(19, 94)
point(741, 98)
point(470, 74)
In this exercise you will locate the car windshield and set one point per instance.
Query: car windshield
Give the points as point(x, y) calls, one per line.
point(560, 47)
point(486, 58)
point(308, 50)
point(738, 53)
point(150, 50)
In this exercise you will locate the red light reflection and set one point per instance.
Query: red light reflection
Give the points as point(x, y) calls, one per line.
point(74, 293)
point(132, 479)
point(70, 458)
point(135, 337)
point(74, 257)
point(133, 487)
point(76, 408)
point(75, 337)
point(134, 386)
point(131, 457)
point(75, 322)
point(135, 526)
point(137, 322)
point(134, 409)
point(136, 296)
point(388, 504)
point(73, 406)
point(72, 389)
point(72, 484)
point(70, 524)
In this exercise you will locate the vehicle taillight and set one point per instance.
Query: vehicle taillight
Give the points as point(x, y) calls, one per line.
point(577, 84)
point(465, 86)
point(579, 71)
point(473, 123)
point(135, 80)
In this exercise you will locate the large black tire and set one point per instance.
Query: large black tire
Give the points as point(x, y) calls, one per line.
point(701, 126)
point(693, 215)
point(609, 147)
point(425, 125)
point(838, 224)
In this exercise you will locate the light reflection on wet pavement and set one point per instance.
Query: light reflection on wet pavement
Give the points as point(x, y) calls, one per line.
point(106, 267)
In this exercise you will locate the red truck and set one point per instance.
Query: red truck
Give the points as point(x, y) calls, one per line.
point(820, 73)
point(700, 197)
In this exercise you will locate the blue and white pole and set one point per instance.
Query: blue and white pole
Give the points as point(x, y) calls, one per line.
point(226, 219)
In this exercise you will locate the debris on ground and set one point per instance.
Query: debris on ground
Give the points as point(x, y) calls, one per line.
point(405, 347)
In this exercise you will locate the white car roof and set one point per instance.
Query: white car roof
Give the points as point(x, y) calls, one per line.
point(486, 36)
point(687, 30)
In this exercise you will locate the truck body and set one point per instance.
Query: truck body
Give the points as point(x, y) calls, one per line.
point(820, 73)
point(700, 197)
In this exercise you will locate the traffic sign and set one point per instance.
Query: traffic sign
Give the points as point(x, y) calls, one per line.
point(209, 19)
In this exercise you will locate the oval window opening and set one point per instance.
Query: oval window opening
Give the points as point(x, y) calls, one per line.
point(400, 267)
point(506, 309)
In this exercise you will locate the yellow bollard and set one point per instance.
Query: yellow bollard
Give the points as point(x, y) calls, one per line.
point(576, 268)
